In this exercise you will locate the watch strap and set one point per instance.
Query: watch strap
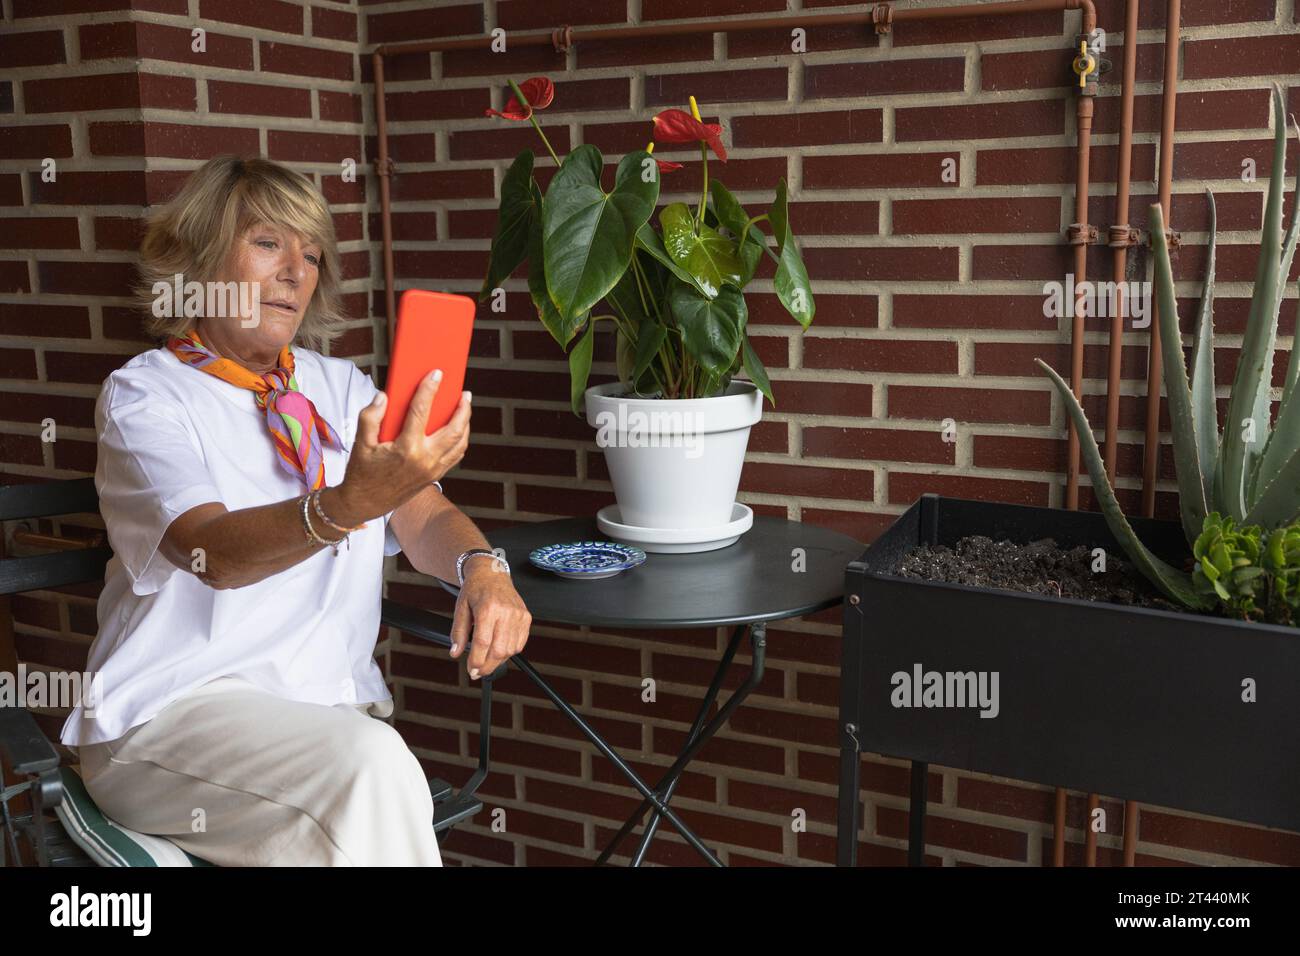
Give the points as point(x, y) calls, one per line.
point(466, 555)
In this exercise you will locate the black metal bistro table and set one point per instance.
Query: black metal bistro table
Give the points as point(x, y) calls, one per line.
point(778, 569)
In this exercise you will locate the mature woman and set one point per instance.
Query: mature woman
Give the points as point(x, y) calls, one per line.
point(249, 506)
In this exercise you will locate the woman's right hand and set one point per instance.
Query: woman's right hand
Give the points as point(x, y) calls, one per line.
point(381, 476)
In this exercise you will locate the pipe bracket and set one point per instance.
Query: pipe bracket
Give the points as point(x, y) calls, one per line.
point(882, 15)
point(1122, 236)
point(387, 168)
point(1080, 234)
point(562, 38)
point(1172, 239)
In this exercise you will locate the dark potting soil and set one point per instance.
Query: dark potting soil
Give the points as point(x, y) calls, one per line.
point(1039, 567)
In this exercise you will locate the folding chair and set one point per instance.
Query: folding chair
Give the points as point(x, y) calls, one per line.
point(60, 824)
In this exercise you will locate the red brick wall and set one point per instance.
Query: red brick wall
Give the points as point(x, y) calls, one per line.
point(929, 307)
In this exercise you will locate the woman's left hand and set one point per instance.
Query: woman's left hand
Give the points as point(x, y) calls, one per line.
point(489, 603)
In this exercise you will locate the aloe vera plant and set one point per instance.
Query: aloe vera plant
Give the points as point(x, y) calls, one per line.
point(1249, 473)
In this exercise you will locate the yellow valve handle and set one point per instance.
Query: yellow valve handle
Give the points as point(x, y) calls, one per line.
point(1084, 64)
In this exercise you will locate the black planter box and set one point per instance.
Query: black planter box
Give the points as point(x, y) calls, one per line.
point(1129, 702)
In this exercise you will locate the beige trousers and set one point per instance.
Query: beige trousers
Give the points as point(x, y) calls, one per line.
point(241, 777)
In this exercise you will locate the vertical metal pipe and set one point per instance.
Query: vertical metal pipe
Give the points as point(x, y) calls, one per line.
point(1083, 114)
point(1120, 244)
point(1169, 99)
point(1130, 832)
point(1058, 828)
point(1084, 126)
point(1090, 835)
point(1119, 240)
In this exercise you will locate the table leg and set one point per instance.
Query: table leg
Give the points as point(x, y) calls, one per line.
point(687, 833)
point(699, 735)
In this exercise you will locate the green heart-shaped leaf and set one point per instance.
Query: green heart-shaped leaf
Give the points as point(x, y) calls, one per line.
point(624, 356)
point(756, 371)
point(634, 356)
point(649, 340)
point(732, 215)
point(648, 239)
point(791, 280)
point(705, 253)
point(580, 367)
point(588, 234)
point(521, 204)
point(561, 329)
point(712, 329)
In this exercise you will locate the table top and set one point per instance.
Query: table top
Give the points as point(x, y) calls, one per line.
point(760, 577)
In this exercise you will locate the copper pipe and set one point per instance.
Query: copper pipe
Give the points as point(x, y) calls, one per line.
point(996, 9)
point(1089, 834)
point(1169, 99)
point(740, 24)
point(1121, 243)
point(1120, 239)
point(881, 14)
point(1058, 829)
point(1083, 115)
point(1130, 832)
point(1151, 444)
point(385, 199)
point(1083, 120)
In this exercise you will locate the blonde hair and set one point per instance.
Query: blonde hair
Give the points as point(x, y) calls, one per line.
point(194, 233)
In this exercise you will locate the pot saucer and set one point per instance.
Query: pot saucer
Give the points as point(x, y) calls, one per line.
point(676, 540)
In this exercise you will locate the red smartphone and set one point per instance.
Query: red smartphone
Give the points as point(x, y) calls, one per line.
point(433, 331)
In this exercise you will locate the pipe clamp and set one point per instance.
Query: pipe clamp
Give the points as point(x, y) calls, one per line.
point(882, 15)
point(1080, 234)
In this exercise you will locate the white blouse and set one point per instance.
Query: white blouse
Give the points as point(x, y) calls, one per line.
point(172, 437)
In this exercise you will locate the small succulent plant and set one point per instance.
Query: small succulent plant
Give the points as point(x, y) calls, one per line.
point(1282, 560)
point(1227, 565)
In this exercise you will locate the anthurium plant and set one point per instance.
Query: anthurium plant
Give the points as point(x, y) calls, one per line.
point(1248, 474)
point(673, 293)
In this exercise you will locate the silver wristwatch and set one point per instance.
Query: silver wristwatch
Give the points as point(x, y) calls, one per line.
point(460, 562)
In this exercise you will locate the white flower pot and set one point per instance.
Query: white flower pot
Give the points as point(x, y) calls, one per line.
point(674, 463)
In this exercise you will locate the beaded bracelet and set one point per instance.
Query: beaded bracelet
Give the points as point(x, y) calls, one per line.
point(311, 532)
point(315, 499)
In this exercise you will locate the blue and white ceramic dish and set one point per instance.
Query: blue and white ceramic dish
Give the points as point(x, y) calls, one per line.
point(587, 560)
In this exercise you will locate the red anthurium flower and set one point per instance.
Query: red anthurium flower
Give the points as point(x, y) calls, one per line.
point(539, 91)
point(665, 166)
point(678, 126)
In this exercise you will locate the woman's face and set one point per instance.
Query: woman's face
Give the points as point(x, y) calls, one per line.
point(286, 268)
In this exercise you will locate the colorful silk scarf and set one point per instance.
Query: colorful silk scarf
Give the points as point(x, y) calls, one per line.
point(297, 429)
